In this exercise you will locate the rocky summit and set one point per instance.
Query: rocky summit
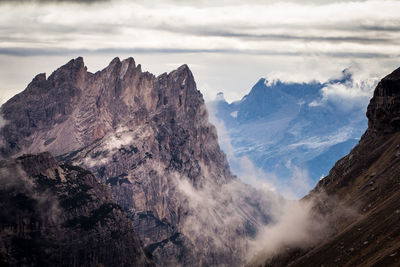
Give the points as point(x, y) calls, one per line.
point(366, 183)
point(148, 139)
point(59, 215)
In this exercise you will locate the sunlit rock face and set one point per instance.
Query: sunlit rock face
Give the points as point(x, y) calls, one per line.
point(148, 138)
point(60, 215)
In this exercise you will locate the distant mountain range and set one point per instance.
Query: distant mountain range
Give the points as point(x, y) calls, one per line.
point(360, 196)
point(134, 174)
point(283, 127)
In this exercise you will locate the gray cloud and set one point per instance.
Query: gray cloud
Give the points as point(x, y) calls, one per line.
point(201, 31)
point(191, 2)
point(138, 27)
point(22, 52)
point(266, 38)
point(52, 1)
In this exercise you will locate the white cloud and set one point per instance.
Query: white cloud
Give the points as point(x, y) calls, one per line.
point(122, 136)
point(229, 45)
point(332, 28)
point(354, 94)
point(216, 214)
point(296, 226)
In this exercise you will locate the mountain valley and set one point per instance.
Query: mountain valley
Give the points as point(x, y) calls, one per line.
point(367, 181)
point(123, 168)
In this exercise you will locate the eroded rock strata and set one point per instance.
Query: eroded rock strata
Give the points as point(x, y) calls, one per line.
point(149, 140)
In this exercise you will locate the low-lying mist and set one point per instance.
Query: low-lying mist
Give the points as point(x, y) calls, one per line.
point(288, 222)
point(18, 190)
point(251, 223)
point(295, 186)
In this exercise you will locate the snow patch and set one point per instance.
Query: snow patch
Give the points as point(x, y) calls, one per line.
point(234, 114)
point(270, 83)
point(315, 142)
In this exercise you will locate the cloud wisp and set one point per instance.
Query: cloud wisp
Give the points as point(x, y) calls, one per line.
point(351, 95)
point(295, 186)
point(252, 224)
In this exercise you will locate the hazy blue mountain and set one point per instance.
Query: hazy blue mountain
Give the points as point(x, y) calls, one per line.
point(282, 127)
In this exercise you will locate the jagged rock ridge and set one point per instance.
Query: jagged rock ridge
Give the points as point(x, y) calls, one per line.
point(149, 139)
point(59, 215)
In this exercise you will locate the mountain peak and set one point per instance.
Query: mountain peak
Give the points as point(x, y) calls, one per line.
point(346, 76)
point(261, 82)
point(383, 111)
point(129, 61)
point(115, 61)
point(183, 76)
point(184, 67)
point(149, 140)
point(74, 71)
point(39, 78)
point(182, 70)
point(76, 63)
point(395, 75)
point(220, 97)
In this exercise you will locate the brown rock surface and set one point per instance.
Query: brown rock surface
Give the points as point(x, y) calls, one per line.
point(149, 139)
point(59, 215)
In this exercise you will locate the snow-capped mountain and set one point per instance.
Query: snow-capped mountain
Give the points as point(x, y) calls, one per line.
point(286, 127)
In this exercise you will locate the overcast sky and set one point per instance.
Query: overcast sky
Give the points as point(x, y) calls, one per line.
point(228, 45)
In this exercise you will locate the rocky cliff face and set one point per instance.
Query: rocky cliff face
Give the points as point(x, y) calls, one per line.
point(367, 182)
point(59, 215)
point(384, 109)
point(148, 138)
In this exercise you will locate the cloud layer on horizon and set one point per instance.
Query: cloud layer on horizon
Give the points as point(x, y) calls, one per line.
point(355, 29)
point(291, 40)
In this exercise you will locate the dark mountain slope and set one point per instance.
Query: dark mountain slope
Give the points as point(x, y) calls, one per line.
point(367, 181)
point(59, 215)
